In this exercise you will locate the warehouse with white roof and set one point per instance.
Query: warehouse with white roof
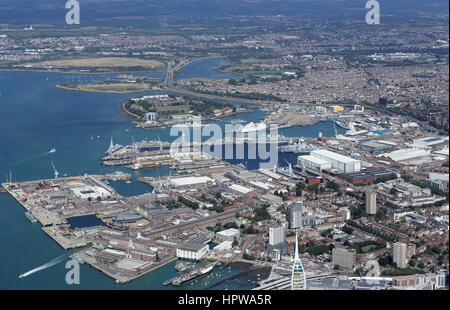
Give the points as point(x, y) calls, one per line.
point(313, 163)
point(339, 162)
point(191, 181)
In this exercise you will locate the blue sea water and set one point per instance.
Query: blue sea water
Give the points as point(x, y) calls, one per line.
point(36, 117)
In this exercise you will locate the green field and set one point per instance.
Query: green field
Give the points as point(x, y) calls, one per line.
point(176, 109)
point(267, 72)
point(110, 87)
point(249, 61)
point(368, 248)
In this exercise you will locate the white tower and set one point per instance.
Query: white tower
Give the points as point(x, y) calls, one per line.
point(298, 280)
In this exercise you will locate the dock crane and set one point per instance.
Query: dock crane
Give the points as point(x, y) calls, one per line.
point(56, 171)
point(160, 144)
point(291, 173)
point(335, 131)
point(136, 146)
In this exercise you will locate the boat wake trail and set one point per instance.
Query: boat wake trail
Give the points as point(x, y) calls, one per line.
point(51, 263)
point(31, 158)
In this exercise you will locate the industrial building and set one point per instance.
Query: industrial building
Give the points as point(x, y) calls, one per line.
point(428, 142)
point(365, 176)
point(191, 181)
point(191, 250)
point(406, 154)
point(313, 163)
point(339, 162)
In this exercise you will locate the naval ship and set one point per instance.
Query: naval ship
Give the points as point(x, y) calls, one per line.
point(192, 276)
point(298, 148)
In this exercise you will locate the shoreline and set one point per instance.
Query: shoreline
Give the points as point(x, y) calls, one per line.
point(59, 86)
point(77, 72)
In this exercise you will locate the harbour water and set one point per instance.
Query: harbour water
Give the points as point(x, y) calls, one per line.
point(35, 117)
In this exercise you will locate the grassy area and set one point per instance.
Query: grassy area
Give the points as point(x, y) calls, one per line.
point(99, 62)
point(116, 87)
point(250, 61)
point(402, 272)
point(176, 109)
point(266, 72)
point(368, 248)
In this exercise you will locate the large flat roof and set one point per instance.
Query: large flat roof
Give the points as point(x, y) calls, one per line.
point(336, 156)
point(190, 181)
point(314, 160)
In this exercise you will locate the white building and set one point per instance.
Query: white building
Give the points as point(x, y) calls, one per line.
point(151, 116)
point(429, 141)
point(295, 215)
point(406, 154)
point(340, 162)
point(224, 246)
point(92, 192)
point(313, 163)
point(191, 181)
point(371, 202)
point(194, 251)
point(230, 234)
point(276, 235)
point(400, 255)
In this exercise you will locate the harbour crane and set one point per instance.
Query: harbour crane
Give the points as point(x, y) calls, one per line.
point(56, 171)
point(290, 167)
point(335, 131)
point(135, 146)
point(160, 144)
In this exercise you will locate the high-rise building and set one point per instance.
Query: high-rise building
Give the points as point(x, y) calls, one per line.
point(344, 258)
point(298, 279)
point(371, 202)
point(400, 255)
point(276, 235)
point(295, 215)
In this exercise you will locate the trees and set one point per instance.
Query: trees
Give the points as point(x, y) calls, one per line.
point(347, 230)
point(231, 225)
point(333, 186)
point(299, 188)
point(188, 203)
